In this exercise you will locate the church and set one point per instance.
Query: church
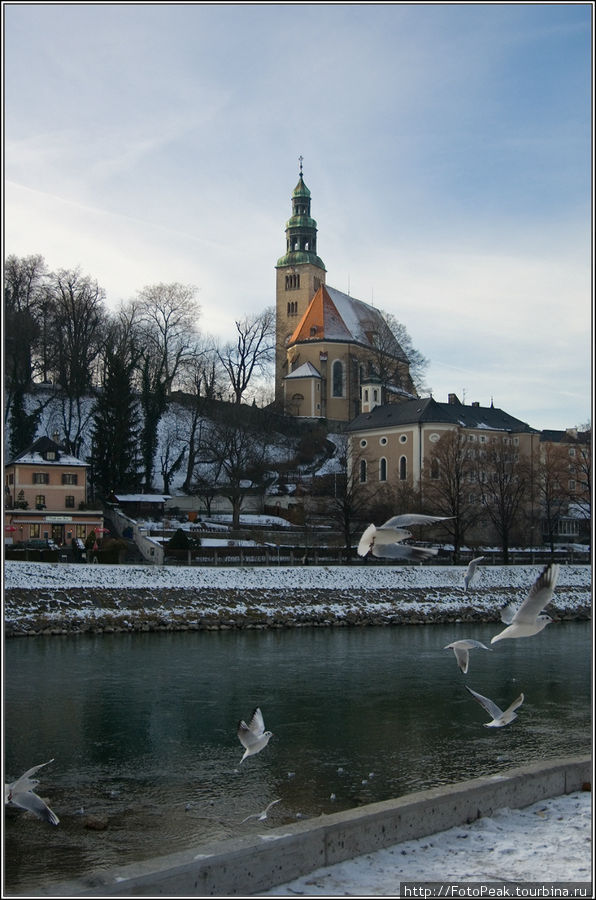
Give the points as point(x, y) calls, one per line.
point(336, 356)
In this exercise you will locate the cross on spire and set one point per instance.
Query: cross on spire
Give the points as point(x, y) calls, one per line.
point(300, 158)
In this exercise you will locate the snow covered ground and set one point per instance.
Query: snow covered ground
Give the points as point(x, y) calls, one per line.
point(549, 841)
point(446, 579)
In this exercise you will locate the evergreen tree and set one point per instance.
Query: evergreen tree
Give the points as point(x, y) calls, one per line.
point(23, 425)
point(115, 427)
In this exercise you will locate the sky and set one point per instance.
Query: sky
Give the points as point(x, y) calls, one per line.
point(447, 148)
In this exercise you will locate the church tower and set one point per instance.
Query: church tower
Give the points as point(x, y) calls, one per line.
point(300, 273)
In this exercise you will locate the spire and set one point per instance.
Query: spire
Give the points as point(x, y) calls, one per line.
point(301, 229)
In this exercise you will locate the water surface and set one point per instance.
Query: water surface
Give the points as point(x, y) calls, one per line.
point(142, 728)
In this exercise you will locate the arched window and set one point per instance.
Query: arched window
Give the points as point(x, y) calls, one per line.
point(338, 379)
point(434, 467)
point(403, 468)
point(362, 471)
point(382, 469)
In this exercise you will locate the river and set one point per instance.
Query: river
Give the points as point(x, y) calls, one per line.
point(142, 729)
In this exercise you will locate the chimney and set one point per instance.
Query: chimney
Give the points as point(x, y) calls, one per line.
point(475, 403)
point(453, 400)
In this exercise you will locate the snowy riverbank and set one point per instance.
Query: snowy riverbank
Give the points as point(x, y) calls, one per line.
point(56, 598)
point(547, 842)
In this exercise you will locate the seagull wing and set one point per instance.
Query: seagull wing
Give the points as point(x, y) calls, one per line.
point(491, 708)
point(257, 723)
point(514, 705)
point(269, 805)
point(25, 782)
point(463, 657)
point(29, 800)
point(366, 541)
point(473, 565)
point(413, 519)
point(387, 534)
point(539, 596)
point(403, 551)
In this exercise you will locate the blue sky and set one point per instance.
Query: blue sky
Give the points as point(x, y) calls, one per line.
point(447, 148)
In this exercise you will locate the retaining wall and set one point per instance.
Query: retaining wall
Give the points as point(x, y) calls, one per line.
point(248, 865)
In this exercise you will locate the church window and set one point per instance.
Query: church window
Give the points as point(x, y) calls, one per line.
point(375, 396)
point(338, 379)
point(362, 471)
point(363, 442)
point(366, 396)
point(434, 468)
point(403, 468)
point(382, 469)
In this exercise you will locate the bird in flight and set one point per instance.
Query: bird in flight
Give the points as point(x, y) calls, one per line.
point(253, 736)
point(462, 652)
point(526, 621)
point(499, 718)
point(261, 816)
point(20, 793)
point(471, 572)
point(384, 541)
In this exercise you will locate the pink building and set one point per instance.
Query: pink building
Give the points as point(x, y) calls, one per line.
point(45, 496)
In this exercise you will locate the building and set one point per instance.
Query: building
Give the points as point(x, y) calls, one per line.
point(392, 442)
point(394, 448)
point(333, 351)
point(45, 496)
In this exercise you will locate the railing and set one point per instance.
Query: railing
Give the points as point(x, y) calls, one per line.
point(333, 556)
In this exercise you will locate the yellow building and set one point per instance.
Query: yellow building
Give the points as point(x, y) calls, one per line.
point(335, 355)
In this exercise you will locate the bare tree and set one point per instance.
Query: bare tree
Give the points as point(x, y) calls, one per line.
point(504, 487)
point(412, 378)
point(253, 351)
point(239, 449)
point(551, 484)
point(167, 317)
point(202, 386)
point(77, 324)
point(450, 485)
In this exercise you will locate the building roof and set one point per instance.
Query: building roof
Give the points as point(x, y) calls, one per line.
point(35, 455)
point(334, 316)
point(428, 411)
point(306, 370)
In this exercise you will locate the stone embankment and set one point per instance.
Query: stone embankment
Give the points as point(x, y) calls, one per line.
point(30, 611)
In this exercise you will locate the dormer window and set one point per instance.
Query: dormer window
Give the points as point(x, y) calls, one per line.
point(50, 454)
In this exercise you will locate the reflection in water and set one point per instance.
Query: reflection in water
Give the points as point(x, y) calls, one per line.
point(143, 729)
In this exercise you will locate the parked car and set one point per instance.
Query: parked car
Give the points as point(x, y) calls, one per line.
point(38, 544)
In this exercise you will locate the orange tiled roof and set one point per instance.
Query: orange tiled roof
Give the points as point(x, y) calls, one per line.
point(321, 321)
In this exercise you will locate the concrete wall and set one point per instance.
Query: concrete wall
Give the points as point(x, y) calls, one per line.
point(248, 865)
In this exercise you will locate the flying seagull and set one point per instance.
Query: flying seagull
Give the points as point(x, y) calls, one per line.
point(261, 816)
point(461, 650)
point(471, 572)
point(253, 736)
point(500, 718)
point(20, 793)
point(384, 541)
point(526, 621)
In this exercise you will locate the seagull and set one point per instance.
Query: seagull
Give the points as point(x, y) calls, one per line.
point(461, 650)
point(471, 572)
point(261, 815)
point(500, 718)
point(384, 540)
point(253, 736)
point(526, 621)
point(20, 793)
